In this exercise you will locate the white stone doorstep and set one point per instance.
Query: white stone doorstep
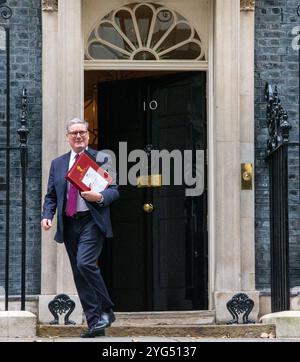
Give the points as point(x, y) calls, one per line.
point(287, 323)
point(17, 324)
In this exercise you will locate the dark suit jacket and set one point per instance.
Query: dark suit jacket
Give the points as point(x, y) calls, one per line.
point(55, 198)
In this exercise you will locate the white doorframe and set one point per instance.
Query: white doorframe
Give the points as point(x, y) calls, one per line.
point(145, 65)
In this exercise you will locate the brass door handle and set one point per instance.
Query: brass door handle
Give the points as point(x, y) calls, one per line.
point(148, 208)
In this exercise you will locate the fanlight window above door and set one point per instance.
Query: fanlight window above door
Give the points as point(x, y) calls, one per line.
point(144, 32)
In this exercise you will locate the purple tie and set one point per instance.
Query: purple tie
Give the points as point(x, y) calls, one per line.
point(72, 198)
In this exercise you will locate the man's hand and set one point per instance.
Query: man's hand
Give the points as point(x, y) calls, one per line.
point(46, 224)
point(91, 196)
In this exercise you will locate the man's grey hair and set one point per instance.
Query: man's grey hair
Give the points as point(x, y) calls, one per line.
point(76, 121)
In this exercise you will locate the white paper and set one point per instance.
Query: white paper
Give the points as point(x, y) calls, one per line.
point(94, 180)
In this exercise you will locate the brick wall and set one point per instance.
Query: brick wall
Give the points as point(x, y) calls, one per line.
point(25, 34)
point(277, 63)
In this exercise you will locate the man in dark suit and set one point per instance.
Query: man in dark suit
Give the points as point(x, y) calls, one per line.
point(83, 223)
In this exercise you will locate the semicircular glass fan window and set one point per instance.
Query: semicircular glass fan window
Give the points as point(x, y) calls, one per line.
point(144, 32)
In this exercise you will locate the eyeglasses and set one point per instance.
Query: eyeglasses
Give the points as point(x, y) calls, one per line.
point(75, 133)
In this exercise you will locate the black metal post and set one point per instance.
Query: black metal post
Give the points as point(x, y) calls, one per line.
point(23, 133)
point(277, 151)
point(280, 296)
point(298, 13)
point(5, 14)
point(7, 165)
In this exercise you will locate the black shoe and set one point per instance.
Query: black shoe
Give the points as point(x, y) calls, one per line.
point(106, 319)
point(92, 332)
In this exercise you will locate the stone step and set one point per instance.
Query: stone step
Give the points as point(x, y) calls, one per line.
point(287, 323)
point(17, 324)
point(205, 331)
point(145, 319)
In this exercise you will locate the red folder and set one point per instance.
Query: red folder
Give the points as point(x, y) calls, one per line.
point(86, 172)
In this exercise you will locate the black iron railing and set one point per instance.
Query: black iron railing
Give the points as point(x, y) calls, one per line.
point(277, 157)
point(5, 14)
point(23, 132)
point(298, 13)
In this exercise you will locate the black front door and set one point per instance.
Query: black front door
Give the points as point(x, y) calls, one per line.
point(157, 260)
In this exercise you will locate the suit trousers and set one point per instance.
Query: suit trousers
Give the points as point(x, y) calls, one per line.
point(84, 242)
